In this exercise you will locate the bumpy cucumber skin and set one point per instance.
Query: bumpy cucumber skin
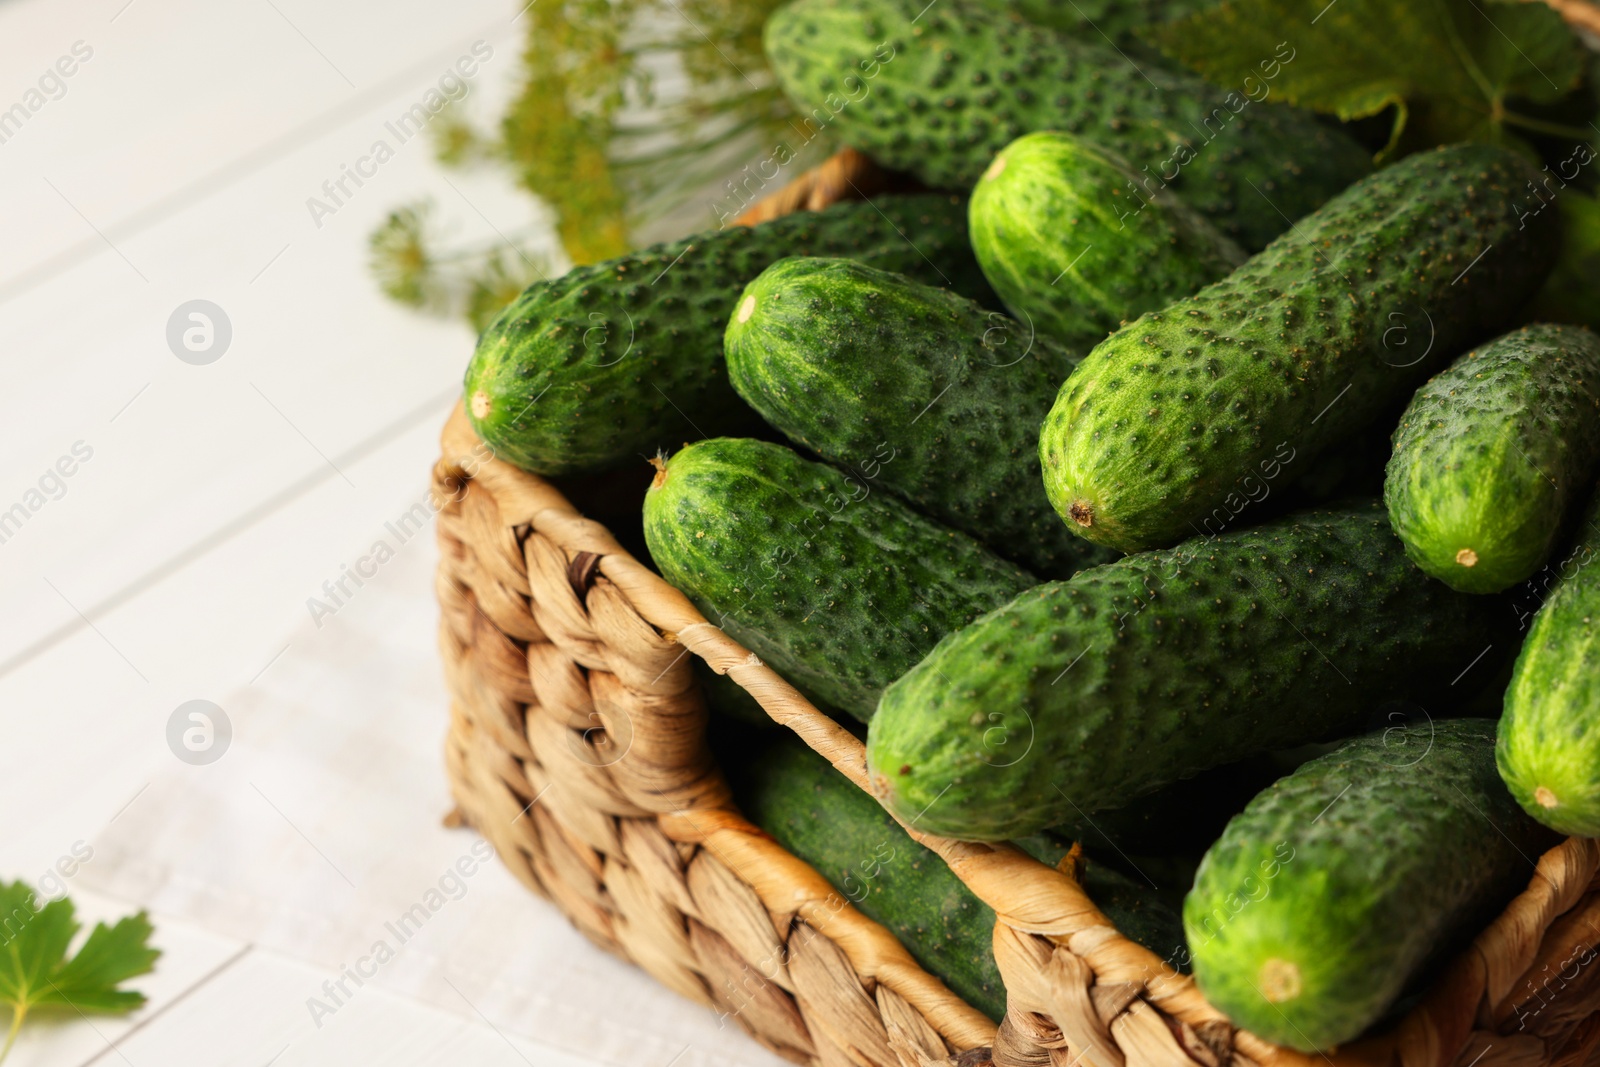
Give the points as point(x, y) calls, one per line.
point(1085, 694)
point(796, 796)
point(1304, 344)
point(1073, 248)
point(839, 588)
point(938, 91)
point(1356, 871)
point(1492, 454)
point(1549, 747)
point(916, 389)
point(1119, 20)
point(613, 361)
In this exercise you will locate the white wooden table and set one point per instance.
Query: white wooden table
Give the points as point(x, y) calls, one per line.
point(209, 497)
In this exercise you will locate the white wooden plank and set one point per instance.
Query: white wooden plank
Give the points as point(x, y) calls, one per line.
point(320, 362)
point(254, 1013)
point(176, 89)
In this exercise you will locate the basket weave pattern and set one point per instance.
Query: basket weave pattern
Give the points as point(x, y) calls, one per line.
point(577, 747)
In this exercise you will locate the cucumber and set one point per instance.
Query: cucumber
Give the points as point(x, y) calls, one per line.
point(1493, 453)
point(838, 587)
point(1549, 748)
point(917, 390)
point(613, 361)
point(1117, 21)
point(938, 90)
point(1161, 424)
point(796, 796)
point(1337, 887)
point(1074, 247)
point(1086, 694)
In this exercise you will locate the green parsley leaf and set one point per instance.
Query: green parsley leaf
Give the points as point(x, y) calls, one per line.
point(1447, 67)
point(35, 971)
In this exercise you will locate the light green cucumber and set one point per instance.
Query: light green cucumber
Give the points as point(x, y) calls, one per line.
point(1493, 453)
point(1075, 246)
point(1549, 748)
point(1333, 891)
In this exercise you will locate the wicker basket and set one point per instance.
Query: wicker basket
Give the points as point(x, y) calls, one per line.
point(577, 747)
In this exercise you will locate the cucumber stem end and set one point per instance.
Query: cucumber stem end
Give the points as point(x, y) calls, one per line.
point(1280, 980)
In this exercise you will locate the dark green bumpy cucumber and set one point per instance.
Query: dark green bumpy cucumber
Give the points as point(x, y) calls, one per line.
point(1492, 454)
point(1549, 751)
point(1119, 21)
point(939, 90)
point(838, 587)
point(1303, 345)
point(1338, 886)
point(613, 361)
point(915, 389)
point(796, 796)
point(1085, 694)
point(1074, 248)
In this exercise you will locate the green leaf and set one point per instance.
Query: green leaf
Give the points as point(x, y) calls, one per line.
point(1448, 68)
point(111, 955)
point(35, 971)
